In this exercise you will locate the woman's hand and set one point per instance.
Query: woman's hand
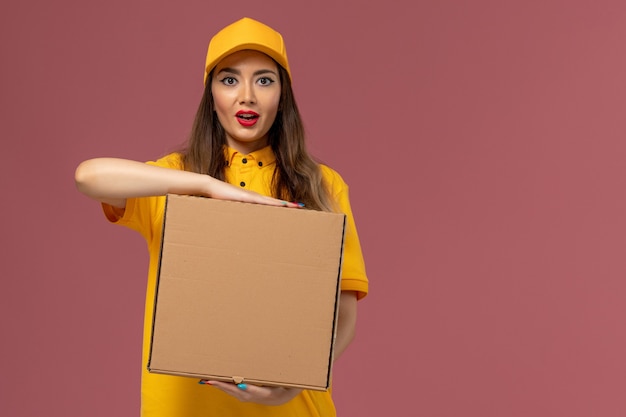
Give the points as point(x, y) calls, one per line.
point(223, 191)
point(113, 180)
point(255, 393)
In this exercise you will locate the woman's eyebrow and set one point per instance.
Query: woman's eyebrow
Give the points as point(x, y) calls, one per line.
point(237, 72)
point(231, 70)
point(265, 71)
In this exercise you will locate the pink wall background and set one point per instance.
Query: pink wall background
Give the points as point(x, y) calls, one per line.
point(484, 145)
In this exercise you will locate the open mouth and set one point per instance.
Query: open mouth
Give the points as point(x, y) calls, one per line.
point(247, 118)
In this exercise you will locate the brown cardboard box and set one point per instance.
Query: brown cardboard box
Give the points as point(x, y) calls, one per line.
point(247, 292)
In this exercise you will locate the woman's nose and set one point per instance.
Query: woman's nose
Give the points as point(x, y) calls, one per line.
point(247, 93)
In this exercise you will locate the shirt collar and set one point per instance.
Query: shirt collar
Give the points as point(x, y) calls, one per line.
point(261, 158)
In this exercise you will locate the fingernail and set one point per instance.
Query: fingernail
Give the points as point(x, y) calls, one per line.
point(242, 387)
point(203, 382)
point(299, 204)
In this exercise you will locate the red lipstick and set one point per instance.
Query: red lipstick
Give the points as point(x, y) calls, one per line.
point(247, 118)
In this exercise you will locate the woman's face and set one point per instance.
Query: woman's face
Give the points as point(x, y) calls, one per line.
point(246, 93)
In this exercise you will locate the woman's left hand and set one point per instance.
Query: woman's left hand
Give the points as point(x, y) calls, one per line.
point(255, 393)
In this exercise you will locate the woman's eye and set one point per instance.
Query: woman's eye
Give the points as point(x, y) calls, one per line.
point(265, 81)
point(229, 81)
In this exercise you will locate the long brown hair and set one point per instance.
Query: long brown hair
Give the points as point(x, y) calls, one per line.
point(297, 177)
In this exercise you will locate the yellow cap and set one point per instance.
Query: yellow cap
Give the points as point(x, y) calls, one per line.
point(246, 34)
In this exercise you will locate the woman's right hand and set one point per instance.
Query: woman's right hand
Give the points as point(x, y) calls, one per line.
point(113, 180)
point(224, 191)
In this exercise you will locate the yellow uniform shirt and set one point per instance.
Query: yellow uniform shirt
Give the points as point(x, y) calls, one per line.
point(170, 396)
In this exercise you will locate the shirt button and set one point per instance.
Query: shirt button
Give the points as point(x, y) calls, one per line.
point(243, 184)
point(260, 163)
point(244, 160)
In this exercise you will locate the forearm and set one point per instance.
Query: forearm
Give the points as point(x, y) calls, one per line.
point(346, 322)
point(112, 181)
point(112, 178)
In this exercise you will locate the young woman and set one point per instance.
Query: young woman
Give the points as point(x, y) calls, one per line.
point(247, 144)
